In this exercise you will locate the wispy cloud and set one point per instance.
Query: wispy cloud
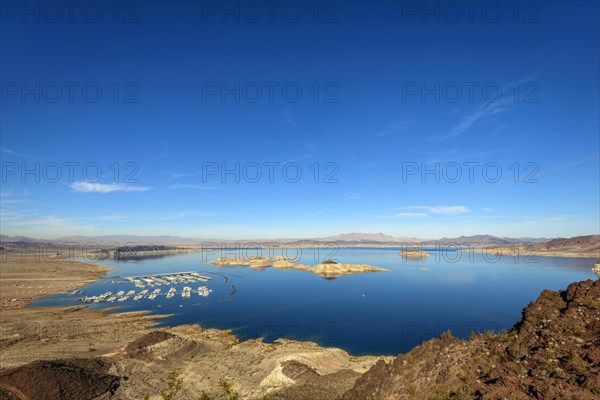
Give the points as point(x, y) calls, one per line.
point(11, 197)
point(52, 222)
point(469, 120)
point(164, 152)
point(185, 214)
point(288, 118)
point(17, 154)
point(485, 111)
point(441, 210)
point(302, 157)
point(4, 201)
point(409, 215)
point(176, 175)
point(115, 217)
point(179, 186)
point(498, 129)
point(9, 215)
point(89, 187)
point(392, 128)
point(368, 165)
point(352, 196)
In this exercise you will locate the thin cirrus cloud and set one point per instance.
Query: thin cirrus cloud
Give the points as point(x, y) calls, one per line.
point(181, 186)
point(394, 127)
point(288, 118)
point(410, 215)
point(469, 120)
point(488, 109)
point(90, 187)
point(440, 210)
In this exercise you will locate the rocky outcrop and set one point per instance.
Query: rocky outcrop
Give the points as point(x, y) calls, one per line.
point(596, 268)
point(61, 379)
point(330, 271)
point(554, 352)
point(414, 254)
point(327, 269)
point(252, 262)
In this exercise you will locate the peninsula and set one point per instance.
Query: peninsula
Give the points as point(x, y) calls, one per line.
point(580, 246)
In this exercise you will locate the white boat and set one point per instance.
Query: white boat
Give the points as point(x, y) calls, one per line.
point(204, 291)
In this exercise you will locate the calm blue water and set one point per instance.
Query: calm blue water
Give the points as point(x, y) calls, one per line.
point(374, 313)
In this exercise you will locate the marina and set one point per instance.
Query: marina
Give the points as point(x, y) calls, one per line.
point(142, 281)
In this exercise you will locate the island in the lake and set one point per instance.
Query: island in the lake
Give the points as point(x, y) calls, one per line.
point(327, 269)
point(413, 254)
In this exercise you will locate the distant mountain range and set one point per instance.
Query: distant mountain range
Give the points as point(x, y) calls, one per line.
point(484, 240)
point(589, 243)
point(368, 237)
point(346, 239)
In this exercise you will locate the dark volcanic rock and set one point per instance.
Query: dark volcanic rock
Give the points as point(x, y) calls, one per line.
point(80, 379)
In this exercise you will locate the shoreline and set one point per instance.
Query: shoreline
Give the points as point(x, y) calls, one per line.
point(128, 341)
point(29, 333)
point(524, 252)
point(135, 347)
point(22, 282)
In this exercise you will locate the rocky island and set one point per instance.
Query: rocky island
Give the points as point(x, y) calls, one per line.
point(413, 254)
point(327, 269)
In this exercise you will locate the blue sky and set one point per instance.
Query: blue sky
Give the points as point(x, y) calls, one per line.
point(387, 90)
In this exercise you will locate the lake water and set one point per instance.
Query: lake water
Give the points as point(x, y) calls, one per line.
point(373, 313)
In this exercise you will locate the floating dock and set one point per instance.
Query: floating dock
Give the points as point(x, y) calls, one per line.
point(141, 281)
point(122, 296)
